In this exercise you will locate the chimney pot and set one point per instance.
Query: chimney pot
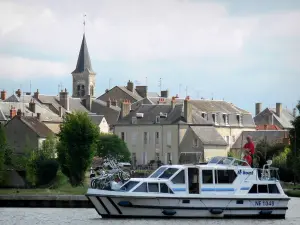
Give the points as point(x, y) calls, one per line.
point(108, 102)
point(32, 106)
point(12, 112)
point(3, 95)
point(125, 108)
point(38, 116)
point(130, 86)
point(19, 112)
point(257, 108)
point(188, 114)
point(278, 109)
point(187, 98)
point(173, 102)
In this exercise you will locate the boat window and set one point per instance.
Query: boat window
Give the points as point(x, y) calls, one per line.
point(273, 189)
point(141, 188)
point(225, 176)
point(253, 189)
point(158, 172)
point(165, 189)
point(225, 161)
point(263, 188)
point(207, 176)
point(216, 159)
point(168, 173)
point(240, 163)
point(153, 187)
point(179, 178)
point(129, 185)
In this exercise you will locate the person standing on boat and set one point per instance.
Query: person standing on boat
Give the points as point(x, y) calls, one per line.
point(249, 146)
point(247, 157)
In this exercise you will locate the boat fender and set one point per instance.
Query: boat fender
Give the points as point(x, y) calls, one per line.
point(265, 212)
point(216, 211)
point(167, 212)
point(125, 204)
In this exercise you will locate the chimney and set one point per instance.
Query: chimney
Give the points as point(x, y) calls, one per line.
point(173, 102)
point(125, 108)
point(164, 94)
point(108, 103)
point(36, 94)
point(13, 112)
point(18, 93)
point(3, 95)
point(142, 91)
point(88, 102)
point(32, 106)
point(257, 108)
point(64, 99)
point(130, 86)
point(294, 112)
point(38, 116)
point(278, 109)
point(19, 112)
point(60, 111)
point(114, 102)
point(188, 110)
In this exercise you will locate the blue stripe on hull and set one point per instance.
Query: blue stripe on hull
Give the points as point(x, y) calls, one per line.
point(217, 189)
point(179, 189)
point(245, 188)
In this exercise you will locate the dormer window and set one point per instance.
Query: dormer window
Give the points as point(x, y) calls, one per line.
point(214, 117)
point(157, 119)
point(239, 119)
point(133, 120)
point(203, 115)
point(225, 118)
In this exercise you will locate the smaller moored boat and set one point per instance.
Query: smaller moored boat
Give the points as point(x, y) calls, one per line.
point(224, 187)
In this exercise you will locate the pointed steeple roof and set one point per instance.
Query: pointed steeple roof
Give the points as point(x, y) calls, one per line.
point(84, 60)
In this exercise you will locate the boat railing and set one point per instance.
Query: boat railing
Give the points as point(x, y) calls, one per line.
point(267, 173)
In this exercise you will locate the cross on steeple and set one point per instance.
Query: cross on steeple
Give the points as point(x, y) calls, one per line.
point(84, 23)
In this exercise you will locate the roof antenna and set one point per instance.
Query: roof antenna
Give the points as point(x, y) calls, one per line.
point(84, 23)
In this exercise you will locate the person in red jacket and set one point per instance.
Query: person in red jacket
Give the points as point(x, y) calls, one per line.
point(248, 157)
point(249, 146)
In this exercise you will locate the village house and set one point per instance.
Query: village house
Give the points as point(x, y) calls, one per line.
point(165, 131)
point(274, 116)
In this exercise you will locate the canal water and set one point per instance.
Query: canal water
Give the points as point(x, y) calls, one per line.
point(52, 216)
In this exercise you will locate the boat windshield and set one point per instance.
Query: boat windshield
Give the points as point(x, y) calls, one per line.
point(158, 172)
point(215, 160)
point(226, 161)
point(168, 173)
point(129, 185)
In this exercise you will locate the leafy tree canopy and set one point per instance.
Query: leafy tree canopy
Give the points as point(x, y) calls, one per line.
point(110, 145)
point(78, 137)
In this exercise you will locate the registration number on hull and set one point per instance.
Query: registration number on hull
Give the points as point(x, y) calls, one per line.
point(264, 203)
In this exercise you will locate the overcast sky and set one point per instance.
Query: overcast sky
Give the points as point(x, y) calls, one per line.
point(242, 51)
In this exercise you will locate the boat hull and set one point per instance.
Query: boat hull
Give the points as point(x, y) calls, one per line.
point(185, 207)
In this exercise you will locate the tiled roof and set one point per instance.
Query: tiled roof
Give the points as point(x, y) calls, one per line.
point(271, 136)
point(267, 127)
point(111, 113)
point(208, 135)
point(38, 127)
point(84, 61)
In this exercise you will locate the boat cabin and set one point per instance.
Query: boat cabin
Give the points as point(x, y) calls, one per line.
point(219, 175)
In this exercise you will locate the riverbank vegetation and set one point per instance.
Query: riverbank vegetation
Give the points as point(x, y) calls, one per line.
point(61, 165)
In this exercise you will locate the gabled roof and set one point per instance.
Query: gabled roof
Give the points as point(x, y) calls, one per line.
point(111, 113)
point(208, 135)
point(265, 117)
point(270, 136)
point(84, 61)
point(96, 119)
point(34, 124)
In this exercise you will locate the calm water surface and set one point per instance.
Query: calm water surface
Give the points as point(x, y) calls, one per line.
point(32, 216)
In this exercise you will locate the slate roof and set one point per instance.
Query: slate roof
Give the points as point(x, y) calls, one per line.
point(96, 119)
point(46, 114)
point(84, 60)
point(208, 135)
point(15, 98)
point(176, 115)
point(271, 136)
point(284, 121)
point(111, 113)
point(37, 126)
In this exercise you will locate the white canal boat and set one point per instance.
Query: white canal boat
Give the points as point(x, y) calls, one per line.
point(224, 187)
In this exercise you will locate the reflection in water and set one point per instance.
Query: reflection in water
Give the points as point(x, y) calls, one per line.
point(44, 216)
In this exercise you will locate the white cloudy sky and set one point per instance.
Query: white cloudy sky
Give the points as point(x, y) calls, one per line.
point(242, 51)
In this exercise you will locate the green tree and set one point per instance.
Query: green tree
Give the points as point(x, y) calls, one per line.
point(110, 145)
point(294, 157)
point(76, 148)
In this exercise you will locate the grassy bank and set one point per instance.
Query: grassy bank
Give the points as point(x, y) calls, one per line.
point(61, 186)
point(293, 193)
